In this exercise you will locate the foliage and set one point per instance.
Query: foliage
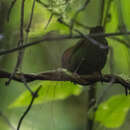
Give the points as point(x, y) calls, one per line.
point(112, 113)
point(50, 91)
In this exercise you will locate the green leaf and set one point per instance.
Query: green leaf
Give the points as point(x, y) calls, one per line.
point(50, 91)
point(112, 113)
point(125, 12)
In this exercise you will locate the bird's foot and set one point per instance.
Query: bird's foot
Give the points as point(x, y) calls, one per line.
point(76, 75)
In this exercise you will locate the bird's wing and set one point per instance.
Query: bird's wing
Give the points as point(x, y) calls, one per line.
point(78, 45)
point(66, 57)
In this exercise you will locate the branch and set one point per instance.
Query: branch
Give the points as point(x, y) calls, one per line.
point(61, 37)
point(63, 75)
point(28, 108)
point(102, 7)
point(77, 12)
point(10, 8)
point(19, 44)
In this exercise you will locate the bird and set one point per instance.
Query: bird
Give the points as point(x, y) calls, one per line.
point(86, 57)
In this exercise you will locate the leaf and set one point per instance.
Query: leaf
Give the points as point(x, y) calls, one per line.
point(112, 113)
point(50, 91)
point(125, 12)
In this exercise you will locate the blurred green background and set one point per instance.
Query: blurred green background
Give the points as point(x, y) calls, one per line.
point(70, 113)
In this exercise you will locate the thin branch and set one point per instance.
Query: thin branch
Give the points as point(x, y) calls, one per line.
point(4, 52)
point(26, 85)
point(61, 37)
point(21, 52)
point(49, 20)
point(10, 9)
point(81, 9)
point(26, 39)
point(124, 42)
point(102, 12)
point(92, 40)
point(82, 25)
point(28, 108)
point(31, 17)
point(7, 121)
point(62, 75)
point(77, 12)
point(30, 22)
point(20, 43)
point(22, 22)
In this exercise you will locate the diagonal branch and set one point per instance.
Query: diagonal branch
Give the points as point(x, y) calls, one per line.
point(10, 9)
point(61, 37)
point(28, 108)
point(76, 14)
point(5, 118)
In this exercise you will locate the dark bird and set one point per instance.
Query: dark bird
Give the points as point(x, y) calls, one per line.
point(86, 57)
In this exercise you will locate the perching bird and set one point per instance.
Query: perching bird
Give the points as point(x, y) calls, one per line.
point(86, 57)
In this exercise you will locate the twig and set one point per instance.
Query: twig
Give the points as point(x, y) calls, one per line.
point(7, 121)
point(124, 42)
point(10, 9)
point(31, 17)
point(30, 22)
point(92, 40)
point(101, 13)
point(26, 85)
point(29, 107)
point(61, 37)
point(16, 66)
point(76, 14)
point(20, 43)
point(82, 25)
point(49, 20)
